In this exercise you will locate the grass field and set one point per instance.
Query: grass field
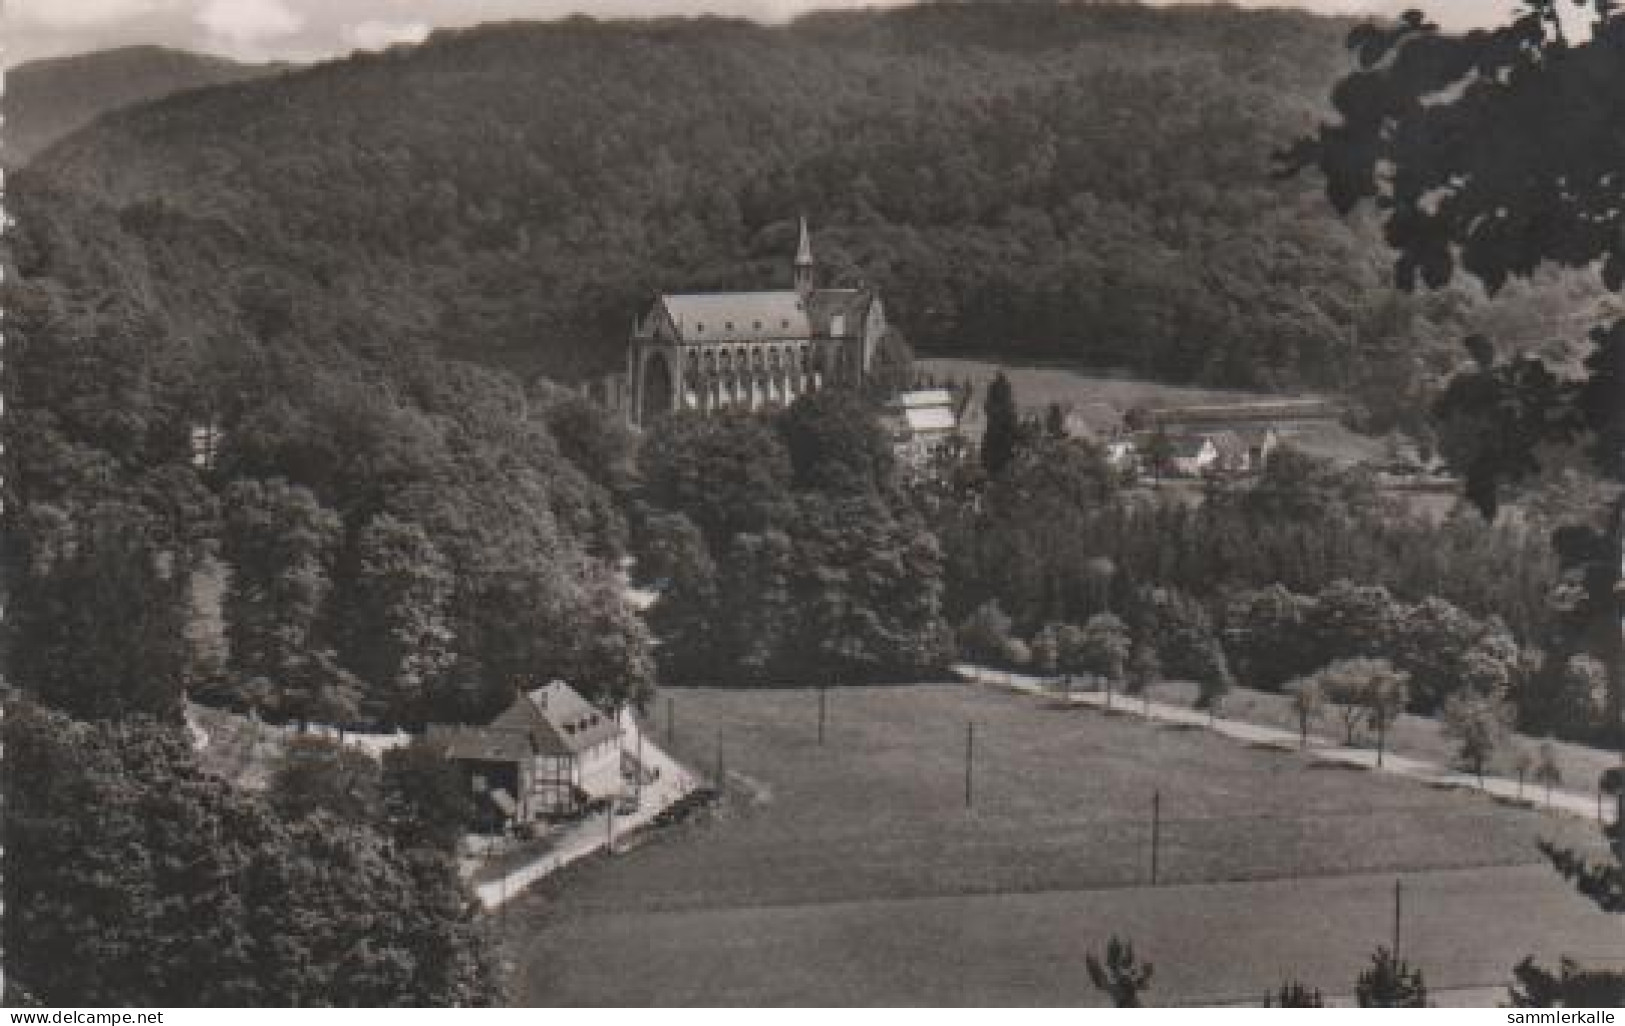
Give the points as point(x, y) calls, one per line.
point(1038, 385)
point(854, 874)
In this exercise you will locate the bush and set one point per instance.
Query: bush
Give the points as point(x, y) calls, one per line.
point(985, 634)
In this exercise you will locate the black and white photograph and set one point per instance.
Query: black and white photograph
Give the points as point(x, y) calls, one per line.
point(718, 504)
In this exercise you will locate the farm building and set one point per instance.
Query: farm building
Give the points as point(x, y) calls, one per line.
point(549, 753)
point(1233, 455)
point(1091, 421)
point(1120, 453)
point(922, 423)
point(1195, 454)
point(1261, 442)
point(1192, 455)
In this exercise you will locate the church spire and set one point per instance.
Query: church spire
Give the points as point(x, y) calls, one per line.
point(804, 261)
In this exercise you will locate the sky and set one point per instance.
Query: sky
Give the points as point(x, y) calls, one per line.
point(304, 30)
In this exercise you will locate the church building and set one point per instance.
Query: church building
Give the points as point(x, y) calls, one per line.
point(751, 350)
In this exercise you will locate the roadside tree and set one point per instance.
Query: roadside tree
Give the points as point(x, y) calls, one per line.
point(1481, 725)
point(985, 634)
point(1072, 655)
point(1368, 691)
point(1145, 669)
point(1106, 645)
point(1308, 696)
point(1045, 651)
point(1547, 772)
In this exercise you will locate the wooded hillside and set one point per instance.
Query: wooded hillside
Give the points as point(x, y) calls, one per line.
point(47, 99)
point(1080, 181)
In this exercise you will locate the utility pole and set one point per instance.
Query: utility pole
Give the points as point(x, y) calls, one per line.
point(1398, 891)
point(1156, 832)
point(970, 759)
point(821, 703)
point(641, 770)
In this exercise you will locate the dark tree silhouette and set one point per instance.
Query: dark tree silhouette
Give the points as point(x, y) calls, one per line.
point(1570, 986)
point(1390, 983)
point(1003, 426)
point(1496, 153)
point(1294, 995)
point(1121, 976)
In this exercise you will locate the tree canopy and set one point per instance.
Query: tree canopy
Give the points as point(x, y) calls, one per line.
point(134, 878)
point(1494, 154)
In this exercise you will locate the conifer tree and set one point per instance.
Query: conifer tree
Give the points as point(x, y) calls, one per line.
point(1003, 426)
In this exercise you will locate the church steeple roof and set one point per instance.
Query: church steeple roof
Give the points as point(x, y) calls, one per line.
point(804, 257)
point(803, 270)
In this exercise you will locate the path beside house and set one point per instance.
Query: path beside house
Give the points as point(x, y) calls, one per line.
point(1581, 804)
point(594, 832)
point(245, 750)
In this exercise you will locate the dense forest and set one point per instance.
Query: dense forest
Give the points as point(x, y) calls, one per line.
point(1083, 182)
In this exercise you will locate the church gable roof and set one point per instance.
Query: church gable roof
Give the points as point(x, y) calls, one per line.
point(748, 316)
point(737, 316)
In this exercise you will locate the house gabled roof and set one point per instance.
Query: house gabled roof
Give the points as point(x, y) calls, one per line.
point(927, 420)
point(1228, 444)
point(1185, 447)
point(923, 411)
point(556, 720)
point(925, 397)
